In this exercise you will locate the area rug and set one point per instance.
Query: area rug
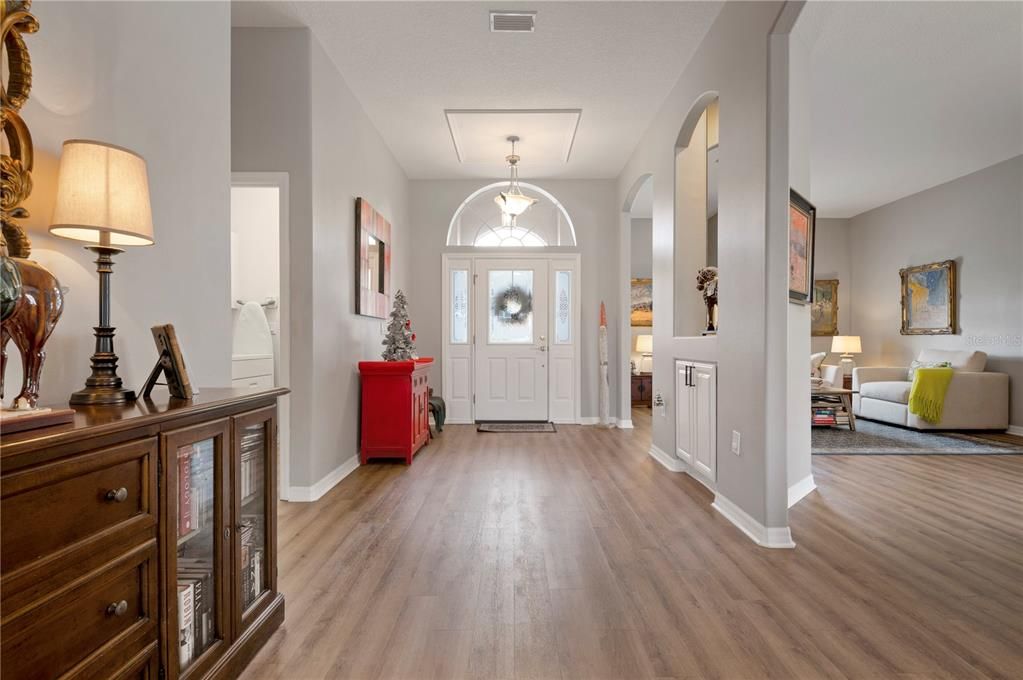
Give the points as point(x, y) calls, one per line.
point(515, 427)
point(872, 438)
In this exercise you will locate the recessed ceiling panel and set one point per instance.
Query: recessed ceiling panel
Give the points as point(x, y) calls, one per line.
point(481, 135)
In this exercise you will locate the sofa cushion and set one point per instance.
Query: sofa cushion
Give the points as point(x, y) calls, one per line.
point(887, 390)
point(815, 363)
point(962, 360)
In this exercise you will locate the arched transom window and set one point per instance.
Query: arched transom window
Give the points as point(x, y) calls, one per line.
point(479, 221)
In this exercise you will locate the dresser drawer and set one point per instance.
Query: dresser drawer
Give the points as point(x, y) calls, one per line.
point(53, 512)
point(89, 628)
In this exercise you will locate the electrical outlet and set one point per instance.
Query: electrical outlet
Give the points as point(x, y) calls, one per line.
point(659, 404)
point(736, 442)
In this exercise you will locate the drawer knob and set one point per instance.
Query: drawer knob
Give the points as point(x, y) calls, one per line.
point(117, 608)
point(117, 495)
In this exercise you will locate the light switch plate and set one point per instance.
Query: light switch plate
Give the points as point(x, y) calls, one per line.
point(736, 442)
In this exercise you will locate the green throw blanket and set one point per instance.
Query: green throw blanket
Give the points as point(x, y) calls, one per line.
point(927, 396)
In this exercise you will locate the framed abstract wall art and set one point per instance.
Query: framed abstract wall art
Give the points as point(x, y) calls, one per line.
point(802, 221)
point(372, 261)
point(642, 302)
point(824, 308)
point(929, 299)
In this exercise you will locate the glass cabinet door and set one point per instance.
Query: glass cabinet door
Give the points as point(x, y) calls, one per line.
point(196, 517)
point(255, 495)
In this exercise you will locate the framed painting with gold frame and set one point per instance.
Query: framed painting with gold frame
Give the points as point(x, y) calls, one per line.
point(929, 299)
point(642, 303)
point(824, 308)
point(372, 261)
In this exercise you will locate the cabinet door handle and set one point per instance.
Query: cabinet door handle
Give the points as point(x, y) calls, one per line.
point(117, 495)
point(117, 608)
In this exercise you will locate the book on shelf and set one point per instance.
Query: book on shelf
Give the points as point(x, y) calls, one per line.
point(197, 574)
point(186, 623)
point(185, 490)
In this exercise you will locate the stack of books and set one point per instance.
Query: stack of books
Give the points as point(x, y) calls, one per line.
point(195, 488)
point(824, 416)
point(252, 541)
point(253, 448)
point(196, 624)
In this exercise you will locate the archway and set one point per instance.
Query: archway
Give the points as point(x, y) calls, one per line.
point(635, 251)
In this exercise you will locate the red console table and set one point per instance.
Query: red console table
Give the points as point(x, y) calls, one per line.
point(395, 408)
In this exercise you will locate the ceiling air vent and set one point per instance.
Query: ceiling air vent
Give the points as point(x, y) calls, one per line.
point(512, 22)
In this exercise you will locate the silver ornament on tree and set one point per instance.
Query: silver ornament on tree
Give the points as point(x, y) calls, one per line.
point(399, 345)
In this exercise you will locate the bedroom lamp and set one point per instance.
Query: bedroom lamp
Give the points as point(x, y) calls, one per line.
point(103, 200)
point(645, 346)
point(846, 345)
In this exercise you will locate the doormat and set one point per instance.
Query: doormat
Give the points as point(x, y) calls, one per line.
point(515, 427)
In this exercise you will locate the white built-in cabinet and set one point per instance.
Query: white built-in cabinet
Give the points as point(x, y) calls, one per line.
point(696, 416)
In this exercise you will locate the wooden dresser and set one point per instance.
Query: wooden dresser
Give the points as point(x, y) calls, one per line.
point(140, 541)
point(642, 388)
point(395, 405)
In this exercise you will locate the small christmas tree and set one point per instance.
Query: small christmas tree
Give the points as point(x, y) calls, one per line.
point(399, 345)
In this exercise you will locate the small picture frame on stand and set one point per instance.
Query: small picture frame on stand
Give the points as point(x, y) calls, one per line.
point(171, 364)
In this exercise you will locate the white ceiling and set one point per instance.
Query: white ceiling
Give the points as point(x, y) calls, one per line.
point(909, 95)
point(407, 62)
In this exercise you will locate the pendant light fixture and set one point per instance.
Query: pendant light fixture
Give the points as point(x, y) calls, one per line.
point(513, 202)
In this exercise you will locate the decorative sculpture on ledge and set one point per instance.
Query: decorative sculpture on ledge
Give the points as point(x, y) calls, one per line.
point(31, 300)
point(707, 283)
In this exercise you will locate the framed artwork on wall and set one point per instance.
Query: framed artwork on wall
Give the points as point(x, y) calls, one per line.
point(824, 309)
point(372, 261)
point(642, 302)
point(802, 221)
point(929, 299)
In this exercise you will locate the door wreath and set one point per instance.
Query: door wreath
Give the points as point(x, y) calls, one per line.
point(513, 305)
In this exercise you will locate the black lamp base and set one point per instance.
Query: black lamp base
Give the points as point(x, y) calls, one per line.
point(102, 396)
point(103, 386)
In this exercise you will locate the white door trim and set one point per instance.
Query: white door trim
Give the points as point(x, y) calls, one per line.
point(467, 260)
point(282, 377)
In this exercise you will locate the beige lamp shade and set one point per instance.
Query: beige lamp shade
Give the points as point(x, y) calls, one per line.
point(102, 195)
point(846, 344)
point(645, 344)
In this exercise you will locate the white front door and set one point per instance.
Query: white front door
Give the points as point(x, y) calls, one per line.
point(511, 298)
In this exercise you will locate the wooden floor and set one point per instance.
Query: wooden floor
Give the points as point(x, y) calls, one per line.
point(575, 555)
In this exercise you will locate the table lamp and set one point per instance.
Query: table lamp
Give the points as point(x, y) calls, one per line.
point(645, 346)
point(103, 200)
point(846, 345)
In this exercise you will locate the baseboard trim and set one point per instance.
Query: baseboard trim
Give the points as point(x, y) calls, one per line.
point(1016, 430)
point(308, 494)
point(800, 489)
point(612, 422)
point(767, 537)
point(625, 424)
point(668, 461)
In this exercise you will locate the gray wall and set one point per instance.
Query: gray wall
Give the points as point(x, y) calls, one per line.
point(751, 257)
point(642, 250)
point(121, 73)
point(292, 112)
point(592, 207)
point(976, 220)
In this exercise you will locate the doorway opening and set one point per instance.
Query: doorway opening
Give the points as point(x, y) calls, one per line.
point(260, 312)
point(638, 319)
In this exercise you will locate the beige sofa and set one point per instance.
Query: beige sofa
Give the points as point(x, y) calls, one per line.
point(976, 399)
